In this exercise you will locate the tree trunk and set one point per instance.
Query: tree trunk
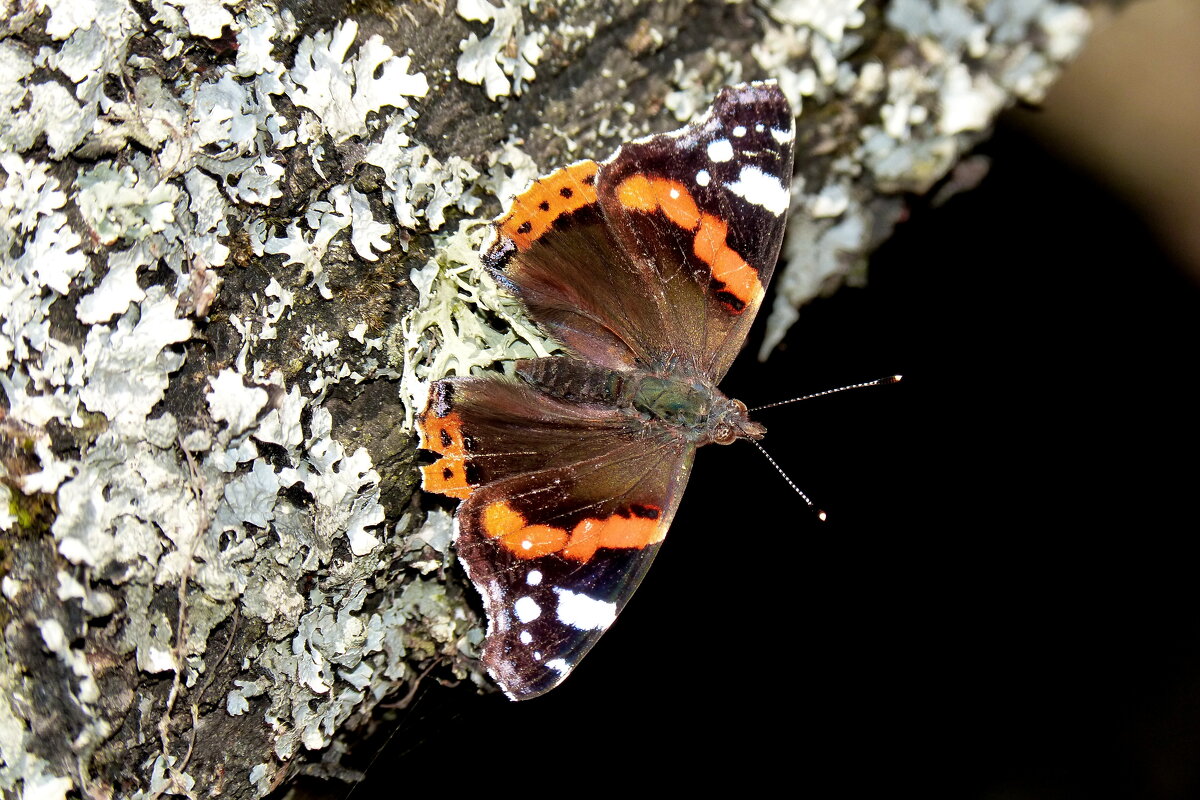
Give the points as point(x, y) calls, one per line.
point(238, 241)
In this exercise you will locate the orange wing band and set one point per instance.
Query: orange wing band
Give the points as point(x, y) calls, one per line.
point(507, 525)
point(646, 195)
point(561, 192)
point(447, 475)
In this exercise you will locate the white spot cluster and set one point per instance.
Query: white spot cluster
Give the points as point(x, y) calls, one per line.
point(584, 613)
point(527, 609)
point(762, 189)
point(720, 151)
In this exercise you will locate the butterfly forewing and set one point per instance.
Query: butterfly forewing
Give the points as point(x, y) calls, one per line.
point(702, 212)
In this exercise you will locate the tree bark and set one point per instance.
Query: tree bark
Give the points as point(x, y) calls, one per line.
point(237, 244)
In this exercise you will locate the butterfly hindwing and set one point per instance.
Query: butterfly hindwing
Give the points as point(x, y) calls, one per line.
point(564, 508)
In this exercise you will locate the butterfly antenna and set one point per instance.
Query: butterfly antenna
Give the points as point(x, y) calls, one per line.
point(812, 506)
point(880, 382)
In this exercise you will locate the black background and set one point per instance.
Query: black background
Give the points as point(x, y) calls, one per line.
point(1003, 601)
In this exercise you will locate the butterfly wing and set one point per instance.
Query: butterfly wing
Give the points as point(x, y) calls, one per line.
point(681, 232)
point(555, 251)
point(564, 507)
point(703, 211)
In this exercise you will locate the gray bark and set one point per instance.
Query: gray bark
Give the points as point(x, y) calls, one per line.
point(237, 242)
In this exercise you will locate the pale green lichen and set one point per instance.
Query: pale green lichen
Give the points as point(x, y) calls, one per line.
point(342, 93)
point(205, 17)
point(131, 508)
point(446, 334)
point(118, 203)
point(420, 187)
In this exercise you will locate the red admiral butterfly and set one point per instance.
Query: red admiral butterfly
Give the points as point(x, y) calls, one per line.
point(648, 268)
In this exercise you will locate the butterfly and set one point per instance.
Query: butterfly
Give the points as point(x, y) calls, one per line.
point(648, 269)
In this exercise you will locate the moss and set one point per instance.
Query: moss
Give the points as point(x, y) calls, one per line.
point(34, 513)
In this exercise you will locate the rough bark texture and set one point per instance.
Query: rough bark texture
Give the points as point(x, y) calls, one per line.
point(237, 242)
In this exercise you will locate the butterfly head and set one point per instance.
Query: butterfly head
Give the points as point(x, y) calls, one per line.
point(730, 421)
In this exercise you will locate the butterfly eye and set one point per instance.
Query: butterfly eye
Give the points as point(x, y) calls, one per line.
point(723, 434)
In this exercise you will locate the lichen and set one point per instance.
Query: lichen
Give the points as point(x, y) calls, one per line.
point(343, 93)
point(214, 513)
point(965, 63)
point(420, 187)
point(453, 296)
point(182, 222)
point(504, 60)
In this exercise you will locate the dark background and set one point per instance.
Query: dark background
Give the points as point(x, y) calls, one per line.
point(1003, 601)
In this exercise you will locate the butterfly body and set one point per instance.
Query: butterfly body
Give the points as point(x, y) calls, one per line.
point(648, 268)
point(696, 411)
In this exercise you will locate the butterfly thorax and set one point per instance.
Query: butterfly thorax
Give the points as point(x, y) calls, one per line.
point(697, 409)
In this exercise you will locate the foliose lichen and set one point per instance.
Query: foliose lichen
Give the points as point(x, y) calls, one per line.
point(190, 190)
point(230, 507)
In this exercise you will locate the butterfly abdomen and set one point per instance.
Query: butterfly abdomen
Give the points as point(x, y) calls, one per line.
point(576, 381)
point(658, 398)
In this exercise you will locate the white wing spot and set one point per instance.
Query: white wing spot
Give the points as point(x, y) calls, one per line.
point(703, 178)
point(534, 577)
point(526, 544)
point(537, 655)
point(783, 137)
point(674, 194)
point(740, 130)
point(759, 128)
point(559, 665)
point(757, 187)
point(584, 613)
point(720, 151)
point(526, 637)
point(527, 609)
